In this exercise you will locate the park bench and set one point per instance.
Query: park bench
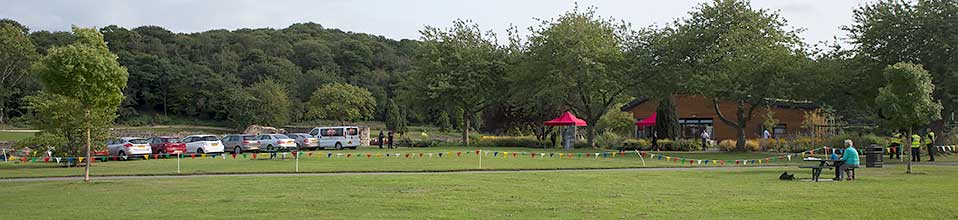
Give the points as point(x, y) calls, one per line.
point(816, 171)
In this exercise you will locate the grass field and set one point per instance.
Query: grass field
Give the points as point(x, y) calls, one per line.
point(885, 193)
point(358, 162)
point(14, 136)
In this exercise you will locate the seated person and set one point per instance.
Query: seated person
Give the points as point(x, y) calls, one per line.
point(849, 159)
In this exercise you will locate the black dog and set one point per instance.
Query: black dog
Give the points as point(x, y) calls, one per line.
point(786, 176)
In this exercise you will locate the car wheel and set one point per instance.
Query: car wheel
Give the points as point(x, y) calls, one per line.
point(269, 148)
point(199, 150)
point(122, 155)
point(339, 146)
point(237, 150)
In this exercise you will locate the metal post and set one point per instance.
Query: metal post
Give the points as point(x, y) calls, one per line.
point(178, 163)
point(480, 158)
point(297, 161)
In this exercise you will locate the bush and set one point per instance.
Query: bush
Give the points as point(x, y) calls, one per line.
point(729, 145)
point(860, 141)
point(609, 140)
point(635, 144)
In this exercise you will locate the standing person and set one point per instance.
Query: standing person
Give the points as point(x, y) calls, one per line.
point(848, 160)
point(930, 142)
point(705, 138)
point(655, 139)
point(381, 136)
point(766, 134)
point(915, 147)
point(895, 146)
point(390, 139)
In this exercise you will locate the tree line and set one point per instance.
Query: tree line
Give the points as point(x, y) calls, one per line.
point(463, 77)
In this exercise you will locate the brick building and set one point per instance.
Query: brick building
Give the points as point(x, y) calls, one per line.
point(697, 112)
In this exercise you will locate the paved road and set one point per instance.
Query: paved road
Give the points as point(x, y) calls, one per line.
point(374, 173)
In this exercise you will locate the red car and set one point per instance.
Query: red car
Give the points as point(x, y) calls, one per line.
point(167, 145)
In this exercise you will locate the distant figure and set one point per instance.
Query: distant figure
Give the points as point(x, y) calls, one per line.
point(705, 139)
point(390, 139)
point(915, 147)
point(930, 142)
point(849, 160)
point(766, 134)
point(381, 136)
point(895, 147)
point(655, 139)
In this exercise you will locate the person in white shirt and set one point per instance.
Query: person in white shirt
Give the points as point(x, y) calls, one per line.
point(766, 134)
point(705, 139)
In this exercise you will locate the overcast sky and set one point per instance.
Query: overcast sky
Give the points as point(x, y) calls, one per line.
point(821, 19)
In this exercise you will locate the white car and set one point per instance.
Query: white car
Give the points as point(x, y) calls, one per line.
point(127, 147)
point(203, 144)
point(338, 137)
point(272, 142)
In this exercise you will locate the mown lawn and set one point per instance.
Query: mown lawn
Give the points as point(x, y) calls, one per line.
point(357, 161)
point(885, 193)
point(14, 136)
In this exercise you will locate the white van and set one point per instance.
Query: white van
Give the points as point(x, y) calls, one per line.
point(338, 137)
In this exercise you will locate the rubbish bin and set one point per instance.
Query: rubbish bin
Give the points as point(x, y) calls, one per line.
point(873, 156)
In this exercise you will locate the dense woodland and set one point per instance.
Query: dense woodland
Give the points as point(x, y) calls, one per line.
point(463, 77)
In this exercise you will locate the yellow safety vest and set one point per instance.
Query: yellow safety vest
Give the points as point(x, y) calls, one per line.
point(915, 141)
point(896, 138)
point(930, 138)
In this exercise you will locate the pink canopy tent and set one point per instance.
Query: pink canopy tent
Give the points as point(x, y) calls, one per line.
point(566, 119)
point(650, 121)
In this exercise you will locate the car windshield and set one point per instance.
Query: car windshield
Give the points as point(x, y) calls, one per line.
point(280, 136)
point(169, 140)
point(207, 138)
point(138, 141)
point(249, 138)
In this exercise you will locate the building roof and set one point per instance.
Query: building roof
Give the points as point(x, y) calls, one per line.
point(777, 103)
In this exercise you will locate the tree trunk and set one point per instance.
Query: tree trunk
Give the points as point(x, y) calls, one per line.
point(740, 129)
point(465, 128)
point(2, 114)
point(909, 148)
point(590, 135)
point(86, 171)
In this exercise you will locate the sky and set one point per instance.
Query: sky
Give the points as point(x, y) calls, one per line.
point(820, 19)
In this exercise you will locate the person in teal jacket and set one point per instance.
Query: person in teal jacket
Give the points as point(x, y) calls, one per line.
point(849, 159)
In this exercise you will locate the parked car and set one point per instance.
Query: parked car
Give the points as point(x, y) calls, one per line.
point(167, 145)
point(305, 141)
point(203, 144)
point(338, 137)
point(239, 143)
point(272, 142)
point(126, 147)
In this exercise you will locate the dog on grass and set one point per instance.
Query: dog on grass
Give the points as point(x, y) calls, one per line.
point(786, 176)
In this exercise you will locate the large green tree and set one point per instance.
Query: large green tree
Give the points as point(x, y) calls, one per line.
point(341, 102)
point(922, 32)
point(906, 100)
point(731, 51)
point(460, 67)
point(17, 53)
point(83, 87)
point(579, 58)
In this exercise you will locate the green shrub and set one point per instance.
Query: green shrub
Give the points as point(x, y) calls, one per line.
point(635, 144)
point(609, 140)
point(729, 145)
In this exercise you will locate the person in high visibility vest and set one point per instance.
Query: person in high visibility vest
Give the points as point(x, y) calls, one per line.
point(895, 148)
point(915, 148)
point(930, 142)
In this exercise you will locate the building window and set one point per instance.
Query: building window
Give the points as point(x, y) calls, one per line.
point(779, 131)
point(692, 127)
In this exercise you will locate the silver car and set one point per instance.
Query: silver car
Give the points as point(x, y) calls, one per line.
point(273, 142)
point(304, 141)
point(239, 143)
